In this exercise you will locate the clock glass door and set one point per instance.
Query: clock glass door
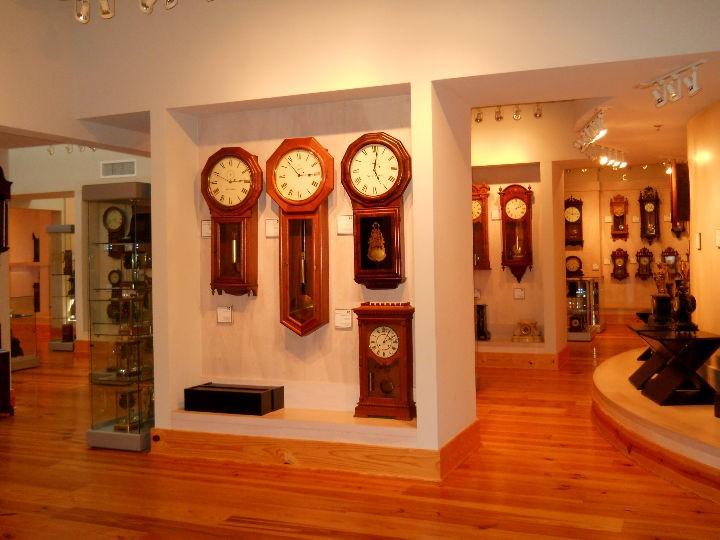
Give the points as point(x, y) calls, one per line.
point(229, 238)
point(301, 261)
point(515, 240)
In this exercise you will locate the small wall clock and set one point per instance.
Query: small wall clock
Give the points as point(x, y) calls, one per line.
point(516, 205)
point(376, 170)
point(300, 178)
point(573, 222)
point(649, 214)
point(114, 220)
point(4, 198)
point(644, 259)
point(573, 266)
point(386, 360)
point(669, 256)
point(618, 210)
point(481, 256)
point(619, 259)
point(231, 182)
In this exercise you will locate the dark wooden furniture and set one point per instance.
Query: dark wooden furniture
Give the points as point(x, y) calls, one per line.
point(668, 375)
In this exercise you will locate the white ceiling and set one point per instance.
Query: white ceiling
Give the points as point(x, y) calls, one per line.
point(646, 133)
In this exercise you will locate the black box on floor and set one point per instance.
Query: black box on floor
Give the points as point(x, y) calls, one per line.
point(235, 399)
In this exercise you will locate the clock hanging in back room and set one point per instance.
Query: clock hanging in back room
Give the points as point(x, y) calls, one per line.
point(516, 206)
point(573, 222)
point(376, 170)
point(231, 182)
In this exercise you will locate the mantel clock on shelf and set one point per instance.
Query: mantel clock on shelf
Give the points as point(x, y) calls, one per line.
point(386, 360)
point(649, 214)
point(516, 206)
point(376, 170)
point(231, 182)
point(573, 222)
point(619, 259)
point(4, 198)
point(481, 256)
point(619, 210)
point(300, 178)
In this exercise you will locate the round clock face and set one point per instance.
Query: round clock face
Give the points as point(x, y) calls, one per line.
point(229, 181)
point(619, 262)
point(114, 277)
point(374, 170)
point(515, 208)
point(113, 219)
point(619, 210)
point(649, 207)
point(384, 342)
point(476, 209)
point(644, 260)
point(572, 264)
point(298, 175)
point(572, 214)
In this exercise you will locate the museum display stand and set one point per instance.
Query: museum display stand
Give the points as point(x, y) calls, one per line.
point(583, 308)
point(62, 288)
point(120, 315)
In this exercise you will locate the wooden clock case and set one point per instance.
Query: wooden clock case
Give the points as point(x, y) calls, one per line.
point(386, 384)
point(516, 231)
point(234, 268)
point(619, 259)
point(481, 255)
point(573, 222)
point(378, 220)
point(619, 210)
point(644, 259)
point(649, 214)
point(4, 198)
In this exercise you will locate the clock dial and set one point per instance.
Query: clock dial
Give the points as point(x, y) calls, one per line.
point(383, 342)
point(619, 262)
point(374, 170)
point(515, 208)
point(644, 261)
point(476, 209)
point(572, 214)
point(649, 207)
point(618, 211)
point(298, 175)
point(230, 181)
point(572, 264)
point(113, 219)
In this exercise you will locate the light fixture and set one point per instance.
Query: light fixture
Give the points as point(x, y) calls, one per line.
point(591, 132)
point(609, 157)
point(82, 11)
point(668, 168)
point(498, 114)
point(478, 117)
point(667, 88)
point(107, 8)
point(51, 150)
point(538, 111)
point(146, 6)
point(517, 115)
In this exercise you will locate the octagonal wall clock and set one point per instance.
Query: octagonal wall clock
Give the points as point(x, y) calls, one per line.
point(231, 183)
point(300, 178)
point(376, 170)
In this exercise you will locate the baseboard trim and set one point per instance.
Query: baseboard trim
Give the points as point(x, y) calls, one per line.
point(520, 360)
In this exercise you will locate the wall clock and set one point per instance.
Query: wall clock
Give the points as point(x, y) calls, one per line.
point(516, 205)
point(113, 219)
point(649, 214)
point(386, 360)
point(679, 197)
point(4, 198)
point(644, 259)
point(376, 169)
point(618, 210)
point(481, 257)
point(619, 259)
point(573, 222)
point(300, 178)
point(573, 266)
point(231, 182)
point(670, 257)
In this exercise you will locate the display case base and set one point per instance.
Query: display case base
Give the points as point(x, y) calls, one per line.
point(57, 345)
point(108, 437)
point(235, 399)
point(24, 362)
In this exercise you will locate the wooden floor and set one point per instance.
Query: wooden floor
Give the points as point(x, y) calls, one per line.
point(543, 472)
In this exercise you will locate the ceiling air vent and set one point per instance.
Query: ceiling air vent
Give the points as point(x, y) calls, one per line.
point(114, 169)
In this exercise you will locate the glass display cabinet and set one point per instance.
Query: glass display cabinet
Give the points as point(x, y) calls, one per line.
point(23, 333)
point(120, 315)
point(583, 308)
point(62, 288)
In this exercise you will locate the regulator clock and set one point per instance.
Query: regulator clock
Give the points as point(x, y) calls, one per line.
point(376, 170)
point(619, 259)
point(649, 214)
point(386, 360)
point(300, 178)
point(645, 260)
point(573, 222)
point(619, 210)
point(4, 199)
point(231, 182)
point(516, 205)
point(481, 257)
point(573, 266)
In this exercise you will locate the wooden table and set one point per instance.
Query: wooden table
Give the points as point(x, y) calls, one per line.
point(668, 374)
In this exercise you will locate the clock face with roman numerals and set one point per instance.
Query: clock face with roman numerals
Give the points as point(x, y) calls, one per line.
point(298, 175)
point(374, 170)
point(229, 181)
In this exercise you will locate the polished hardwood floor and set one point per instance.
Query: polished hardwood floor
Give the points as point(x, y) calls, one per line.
point(543, 472)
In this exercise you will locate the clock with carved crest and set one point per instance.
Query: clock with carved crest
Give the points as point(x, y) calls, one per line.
point(649, 214)
point(618, 211)
point(619, 259)
point(386, 360)
point(644, 259)
point(481, 256)
point(231, 182)
point(300, 178)
point(573, 222)
point(376, 170)
point(516, 206)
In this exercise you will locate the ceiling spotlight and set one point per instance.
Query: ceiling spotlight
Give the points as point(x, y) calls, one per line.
point(146, 6)
point(674, 89)
point(169, 4)
point(51, 150)
point(668, 169)
point(498, 114)
point(691, 82)
point(668, 87)
point(603, 160)
point(660, 94)
point(478, 117)
point(107, 9)
point(538, 111)
point(82, 11)
point(517, 115)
